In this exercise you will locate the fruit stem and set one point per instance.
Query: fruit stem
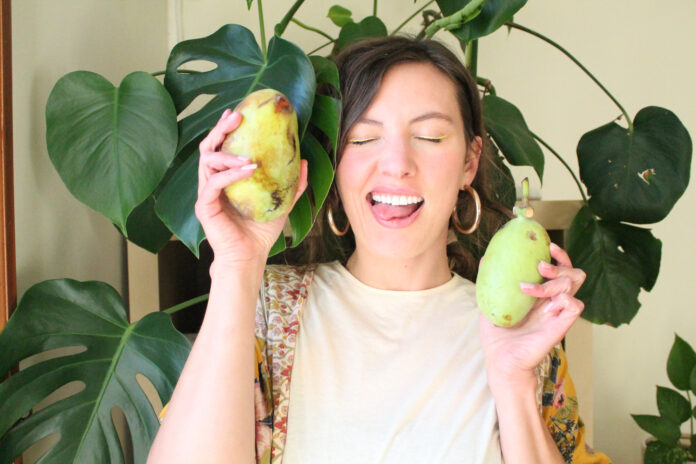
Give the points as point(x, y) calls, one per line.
point(580, 65)
point(262, 27)
point(523, 210)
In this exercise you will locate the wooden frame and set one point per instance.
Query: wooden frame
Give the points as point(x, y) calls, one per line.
point(8, 273)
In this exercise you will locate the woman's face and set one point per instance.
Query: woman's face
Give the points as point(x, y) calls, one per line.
point(404, 163)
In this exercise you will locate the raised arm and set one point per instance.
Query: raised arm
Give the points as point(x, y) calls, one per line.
point(210, 417)
point(512, 354)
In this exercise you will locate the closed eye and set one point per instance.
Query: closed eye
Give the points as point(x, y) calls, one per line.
point(431, 139)
point(360, 141)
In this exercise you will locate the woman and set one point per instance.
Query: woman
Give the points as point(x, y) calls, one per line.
point(390, 359)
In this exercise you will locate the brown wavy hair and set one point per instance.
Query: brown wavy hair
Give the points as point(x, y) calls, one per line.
point(361, 69)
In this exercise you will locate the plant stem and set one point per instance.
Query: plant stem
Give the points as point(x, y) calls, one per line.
point(486, 84)
point(262, 27)
point(563, 162)
point(313, 29)
point(183, 71)
point(472, 57)
point(591, 76)
point(691, 423)
point(283, 24)
point(320, 47)
point(186, 304)
point(374, 8)
point(411, 17)
point(453, 21)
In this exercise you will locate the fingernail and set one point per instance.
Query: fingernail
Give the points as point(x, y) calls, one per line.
point(231, 114)
point(526, 286)
point(249, 167)
point(226, 113)
point(545, 266)
point(553, 246)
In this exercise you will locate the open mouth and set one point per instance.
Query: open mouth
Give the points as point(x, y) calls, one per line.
point(394, 210)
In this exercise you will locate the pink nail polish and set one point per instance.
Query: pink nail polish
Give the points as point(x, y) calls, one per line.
point(526, 286)
point(249, 167)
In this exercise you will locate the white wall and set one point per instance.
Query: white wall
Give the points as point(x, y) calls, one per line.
point(641, 52)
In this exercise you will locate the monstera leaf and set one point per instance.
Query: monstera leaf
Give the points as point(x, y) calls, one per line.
point(494, 14)
point(636, 177)
point(110, 145)
point(91, 317)
point(618, 259)
point(241, 68)
point(509, 130)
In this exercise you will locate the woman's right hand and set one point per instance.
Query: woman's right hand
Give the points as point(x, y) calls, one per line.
point(233, 238)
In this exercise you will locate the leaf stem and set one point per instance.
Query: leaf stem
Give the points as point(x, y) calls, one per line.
point(691, 424)
point(563, 162)
point(321, 46)
point(400, 26)
point(453, 21)
point(186, 304)
point(374, 8)
point(283, 24)
point(313, 29)
point(472, 57)
point(262, 27)
point(183, 71)
point(580, 65)
point(486, 84)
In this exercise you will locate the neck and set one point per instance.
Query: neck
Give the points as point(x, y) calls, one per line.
point(416, 273)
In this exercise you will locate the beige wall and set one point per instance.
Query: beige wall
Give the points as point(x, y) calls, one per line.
point(641, 53)
point(56, 235)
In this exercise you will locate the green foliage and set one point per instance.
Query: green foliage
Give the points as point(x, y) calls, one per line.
point(90, 317)
point(508, 129)
point(493, 15)
point(111, 146)
point(675, 409)
point(636, 176)
point(340, 16)
point(121, 151)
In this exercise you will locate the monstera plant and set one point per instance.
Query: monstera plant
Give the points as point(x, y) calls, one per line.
point(130, 152)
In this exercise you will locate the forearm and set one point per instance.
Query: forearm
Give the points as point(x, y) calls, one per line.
point(210, 417)
point(524, 437)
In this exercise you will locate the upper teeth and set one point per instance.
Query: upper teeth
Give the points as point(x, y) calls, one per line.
point(396, 199)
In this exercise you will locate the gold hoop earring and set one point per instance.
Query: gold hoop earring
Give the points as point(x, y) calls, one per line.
point(332, 224)
point(477, 220)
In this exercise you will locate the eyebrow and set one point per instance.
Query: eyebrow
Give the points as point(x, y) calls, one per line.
point(422, 117)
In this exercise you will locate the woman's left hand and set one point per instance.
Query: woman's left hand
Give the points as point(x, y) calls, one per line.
point(512, 353)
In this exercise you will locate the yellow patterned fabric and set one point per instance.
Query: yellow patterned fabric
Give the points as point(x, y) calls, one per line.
point(278, 314)
point(559, 407)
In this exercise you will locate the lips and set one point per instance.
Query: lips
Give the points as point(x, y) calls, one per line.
point(394, 210)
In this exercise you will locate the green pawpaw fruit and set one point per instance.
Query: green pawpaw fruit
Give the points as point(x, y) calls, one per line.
point(512, 257)
point(267, 136)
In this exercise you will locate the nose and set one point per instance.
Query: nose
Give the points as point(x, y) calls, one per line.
point(397, 160)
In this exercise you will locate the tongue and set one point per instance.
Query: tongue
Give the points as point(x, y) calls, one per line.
point(386, 211)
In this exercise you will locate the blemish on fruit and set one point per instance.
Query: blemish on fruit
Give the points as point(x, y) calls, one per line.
point(531, 235)
point(282, 105)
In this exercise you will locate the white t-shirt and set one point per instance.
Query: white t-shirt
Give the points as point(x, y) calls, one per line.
point(385, 376)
